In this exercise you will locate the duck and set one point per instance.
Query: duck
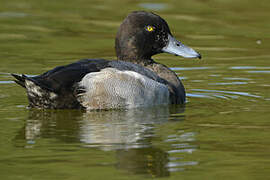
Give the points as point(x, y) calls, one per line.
point(133, 80)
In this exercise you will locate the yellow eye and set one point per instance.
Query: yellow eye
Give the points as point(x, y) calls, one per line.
point(150, 28)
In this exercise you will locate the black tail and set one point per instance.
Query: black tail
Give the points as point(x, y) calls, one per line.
point(20, 79)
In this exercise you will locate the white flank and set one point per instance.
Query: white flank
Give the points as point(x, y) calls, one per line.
point(111, 88)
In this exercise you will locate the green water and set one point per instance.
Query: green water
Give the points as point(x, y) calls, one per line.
point(223, 131)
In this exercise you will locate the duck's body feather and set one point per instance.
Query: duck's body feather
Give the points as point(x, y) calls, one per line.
point(134, 80)
point(112, 88)
point(96, 84)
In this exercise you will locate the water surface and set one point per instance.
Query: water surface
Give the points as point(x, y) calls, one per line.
point(222, 132)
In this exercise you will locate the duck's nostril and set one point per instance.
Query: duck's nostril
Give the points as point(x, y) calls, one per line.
point(177, 44)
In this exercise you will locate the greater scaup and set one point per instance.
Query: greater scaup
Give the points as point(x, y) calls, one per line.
point(133, 80)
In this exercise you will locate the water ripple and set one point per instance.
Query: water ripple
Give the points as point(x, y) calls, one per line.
point(13, 14)
point(154, 6)
point(264, 72)
point(180, 145)
point(237, 78)
point(189, 68)
point(228, 92)
point(198, 95)
point(247, 67)
point(6, 82)
point(181, 151)
point(228, 83)
point(177, 164)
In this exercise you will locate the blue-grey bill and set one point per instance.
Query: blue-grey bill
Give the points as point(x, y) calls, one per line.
point(177, 48)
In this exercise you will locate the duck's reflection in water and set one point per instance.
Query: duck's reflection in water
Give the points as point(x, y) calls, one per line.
point(122, 129)
point(127, 132)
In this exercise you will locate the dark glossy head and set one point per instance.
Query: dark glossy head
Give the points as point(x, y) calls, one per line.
point(143, 34)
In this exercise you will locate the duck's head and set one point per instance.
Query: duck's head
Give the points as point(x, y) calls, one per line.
point(143, 34)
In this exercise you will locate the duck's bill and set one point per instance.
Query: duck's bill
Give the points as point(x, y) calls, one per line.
point(177, 48)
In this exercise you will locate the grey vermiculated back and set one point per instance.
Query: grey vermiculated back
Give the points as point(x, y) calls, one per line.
point(128, 66)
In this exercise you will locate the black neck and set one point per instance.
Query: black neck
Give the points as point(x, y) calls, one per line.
point(143, 62)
